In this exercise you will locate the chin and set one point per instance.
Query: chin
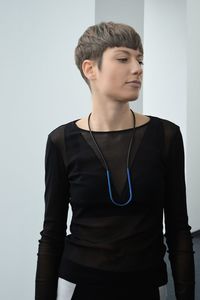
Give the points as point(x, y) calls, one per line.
point(133, 98)
point(127, 98)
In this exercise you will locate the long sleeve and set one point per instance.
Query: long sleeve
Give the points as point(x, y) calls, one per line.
point(54, 226)
point(178, 236)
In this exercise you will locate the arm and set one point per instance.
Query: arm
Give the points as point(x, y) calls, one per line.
point(178, 236)
point(54, 226)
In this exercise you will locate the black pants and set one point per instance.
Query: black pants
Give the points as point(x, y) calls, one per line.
point(93, 292)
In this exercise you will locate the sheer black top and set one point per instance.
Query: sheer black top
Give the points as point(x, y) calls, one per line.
point(109, 243)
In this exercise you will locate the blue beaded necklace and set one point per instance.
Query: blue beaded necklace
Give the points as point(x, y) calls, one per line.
point(106, 167)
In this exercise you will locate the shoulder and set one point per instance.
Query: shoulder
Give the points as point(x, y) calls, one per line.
point(57, 134)
point(170, 128)
point(171, 134)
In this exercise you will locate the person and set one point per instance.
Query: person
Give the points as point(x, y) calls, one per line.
point(122, 173)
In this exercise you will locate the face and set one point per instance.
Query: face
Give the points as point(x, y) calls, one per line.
point(120, 76)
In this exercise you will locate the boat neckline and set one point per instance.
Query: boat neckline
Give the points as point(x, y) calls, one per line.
point(112, 131)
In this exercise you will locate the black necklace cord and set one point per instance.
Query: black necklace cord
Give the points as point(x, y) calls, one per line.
point(106, 167)
point(132, 140)
point(96, 143)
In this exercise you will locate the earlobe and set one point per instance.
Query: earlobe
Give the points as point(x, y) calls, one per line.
point(88, 68)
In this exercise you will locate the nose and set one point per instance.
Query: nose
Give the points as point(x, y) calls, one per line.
point(136, 67)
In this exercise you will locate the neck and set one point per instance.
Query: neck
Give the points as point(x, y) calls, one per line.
point(111, 117)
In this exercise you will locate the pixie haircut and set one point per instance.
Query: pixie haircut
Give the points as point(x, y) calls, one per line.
point(97, 38)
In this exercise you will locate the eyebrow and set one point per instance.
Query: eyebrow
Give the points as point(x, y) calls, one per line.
point(127, 52)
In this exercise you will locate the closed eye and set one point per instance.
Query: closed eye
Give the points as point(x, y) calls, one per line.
point(123, 60)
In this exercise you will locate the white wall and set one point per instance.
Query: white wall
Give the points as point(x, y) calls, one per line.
point(193, 109)
point(171, 74)
point(38, 92)
point(165, 88)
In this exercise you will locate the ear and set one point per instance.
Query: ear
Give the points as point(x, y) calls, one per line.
point(89, 69)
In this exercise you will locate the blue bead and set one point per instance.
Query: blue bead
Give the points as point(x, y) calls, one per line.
point(110, 191)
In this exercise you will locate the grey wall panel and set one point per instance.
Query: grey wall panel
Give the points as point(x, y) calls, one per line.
point(130, 12)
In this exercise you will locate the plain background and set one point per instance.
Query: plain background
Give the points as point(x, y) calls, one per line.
point(41, 88)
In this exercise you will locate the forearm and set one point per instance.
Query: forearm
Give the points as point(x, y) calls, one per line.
point(181, 257)
point(46, 279)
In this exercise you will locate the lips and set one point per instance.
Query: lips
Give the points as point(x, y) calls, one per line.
point(134, 83)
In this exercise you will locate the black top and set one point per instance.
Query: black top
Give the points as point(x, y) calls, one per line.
point(109, 243)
